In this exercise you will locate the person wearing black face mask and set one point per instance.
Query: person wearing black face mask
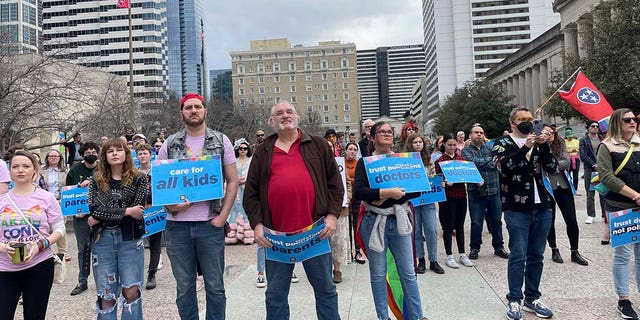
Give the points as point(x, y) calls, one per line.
point(521, 158)
point(79, 175)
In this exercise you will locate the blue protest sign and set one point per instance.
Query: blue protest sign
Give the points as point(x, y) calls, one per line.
point(74, 200)
point(196, 179)
point(155, 219)
point(297, 246)
point(404, 170)
point(460, 171)
point(436, 194)
point(624, 226)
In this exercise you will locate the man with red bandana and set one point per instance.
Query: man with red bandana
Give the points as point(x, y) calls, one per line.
point(194, 232)
point(292, 182)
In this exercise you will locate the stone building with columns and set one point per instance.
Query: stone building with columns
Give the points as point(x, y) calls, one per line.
point(525, 74)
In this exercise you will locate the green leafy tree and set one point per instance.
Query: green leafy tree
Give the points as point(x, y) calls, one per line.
point(476, 102)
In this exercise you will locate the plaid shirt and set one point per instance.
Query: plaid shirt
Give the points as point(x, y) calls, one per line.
point(457, 190)
point(484, 162)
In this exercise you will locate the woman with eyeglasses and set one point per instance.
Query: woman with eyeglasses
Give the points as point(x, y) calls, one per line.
point(388, 210)
point(54, 172)
point(563, 196)
point(453, 211)
point(238, 221)
point(409, 128)
point(624, 193)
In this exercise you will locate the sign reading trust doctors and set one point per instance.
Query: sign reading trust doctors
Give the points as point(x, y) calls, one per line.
point(403, 170)
point(195, 179)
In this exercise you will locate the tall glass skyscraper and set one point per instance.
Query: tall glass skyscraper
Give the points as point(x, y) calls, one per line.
point(20, 26)
point(186, 64)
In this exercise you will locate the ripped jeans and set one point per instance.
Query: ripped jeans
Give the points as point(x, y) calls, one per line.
point(117, 265)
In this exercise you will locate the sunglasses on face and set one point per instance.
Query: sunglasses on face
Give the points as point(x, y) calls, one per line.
point(628, 120)
point(593, 126)
point(243, 149)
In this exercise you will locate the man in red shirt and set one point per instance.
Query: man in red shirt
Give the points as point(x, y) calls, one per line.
point(296, 175)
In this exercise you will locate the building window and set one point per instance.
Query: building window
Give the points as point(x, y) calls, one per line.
point(335, 96)
point(309, 87)
point(325, 87)
point(324, 64)
point(334, 75)
point(294, 99)
point(307, 77)
point(345, 85)
point(345, 75)
point(240, 69)
point(325, 97)
point(335, 86)
point(261, 90)
point(276, 89)
point(277, 99)
point(260, 67)
point(276, 78)
point(276, 67)
point(250, 79)
point(345, 63)
point(292, 89)
point(292, 65)
point(307, 65)
point(345, 96)
point(241, 91)
point(347, 118)
point(261, 79)
point(261, 100)
point(309, 109)
point(324, 76)
point(326, 119)
point(240, 80)
point(250, 69)
point(325, 108)
point(242, 102)
point(346, 107)
point(292, 77)
point(309, 98)
point(335, 118)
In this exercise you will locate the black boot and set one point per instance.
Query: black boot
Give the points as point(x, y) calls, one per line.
point(577, 258)
point(555, 255)
point(151, 282)
point(421, 268)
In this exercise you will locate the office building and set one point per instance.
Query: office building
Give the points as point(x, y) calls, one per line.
point(96, 34)
point(319, 80)
point(221, 87)
point(187, 71)
point(385, 78)
point(465, 38)
point(20, 26)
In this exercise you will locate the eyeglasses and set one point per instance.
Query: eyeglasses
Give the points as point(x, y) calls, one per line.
point(593, 126)
point(53, 156)
point(628, 120)
point(243, 149)
point(385, 132)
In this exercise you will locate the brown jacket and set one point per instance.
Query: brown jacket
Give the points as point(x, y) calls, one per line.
point(322, 168)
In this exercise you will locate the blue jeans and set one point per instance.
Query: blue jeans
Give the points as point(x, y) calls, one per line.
point(318, 270)
point(190, 241)
point(621, 257)
point(527, 240)
point(261, 256)
point(117, 264)
point(402, 251)
point(426, 230)
point(489, 206)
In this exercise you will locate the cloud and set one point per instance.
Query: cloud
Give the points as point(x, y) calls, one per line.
point(231, 26)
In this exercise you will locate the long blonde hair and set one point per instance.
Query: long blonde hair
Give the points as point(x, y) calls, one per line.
point(102, 175)
point(615, 124)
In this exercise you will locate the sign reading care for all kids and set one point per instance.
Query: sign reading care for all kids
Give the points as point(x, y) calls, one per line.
point(460, 171)
point(624, 226)
point(404, 170)
point(74, 200)
point(195, 179)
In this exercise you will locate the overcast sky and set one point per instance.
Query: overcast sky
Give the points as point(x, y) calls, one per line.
point(231, 25)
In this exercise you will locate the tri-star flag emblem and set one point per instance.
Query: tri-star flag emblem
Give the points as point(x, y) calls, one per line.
point(589, 96)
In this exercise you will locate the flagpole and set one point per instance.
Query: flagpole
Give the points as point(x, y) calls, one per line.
point(130, 53)
point(539, 109)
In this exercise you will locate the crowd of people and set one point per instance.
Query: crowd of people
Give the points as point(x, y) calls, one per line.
point(288, 180)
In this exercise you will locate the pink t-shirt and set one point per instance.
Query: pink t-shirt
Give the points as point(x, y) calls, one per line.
point(42, 210)
point(199, 211)
point(4, 172)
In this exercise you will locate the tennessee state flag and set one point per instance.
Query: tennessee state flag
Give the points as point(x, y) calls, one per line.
point(122, 4)
point(588, 100)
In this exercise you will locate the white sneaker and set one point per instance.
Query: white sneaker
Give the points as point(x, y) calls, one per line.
point(465, 260)
point(294, 278)
point(261, 283)
point(451, 262)
point(160, 265)
point(589, 220)
point(199, 283)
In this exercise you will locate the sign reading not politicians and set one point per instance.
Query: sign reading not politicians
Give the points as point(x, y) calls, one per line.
point(196, 179)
